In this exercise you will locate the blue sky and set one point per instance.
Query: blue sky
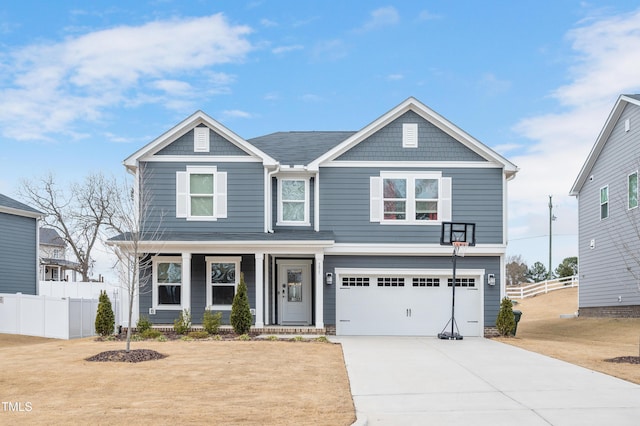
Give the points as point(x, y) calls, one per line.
point(85, 84)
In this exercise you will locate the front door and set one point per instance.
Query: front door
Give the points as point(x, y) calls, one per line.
point(294, 292)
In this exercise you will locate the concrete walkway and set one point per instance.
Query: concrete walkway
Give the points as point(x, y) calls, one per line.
point(476, 381)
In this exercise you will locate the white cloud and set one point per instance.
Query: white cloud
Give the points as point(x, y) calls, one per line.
point(329, 50)
point(236, 113)
point(425, 15)
point(286, 49)
point(53, 86)
point(381, 17)
point(393, 77)
point(605, 52)
point(492, 85)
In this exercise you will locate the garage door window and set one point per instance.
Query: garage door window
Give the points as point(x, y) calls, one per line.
point(390, 282)
point(426, 282)
point(355, 281)
point(463, 282)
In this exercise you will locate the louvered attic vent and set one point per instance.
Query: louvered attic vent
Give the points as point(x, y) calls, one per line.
point(201, 139)
point(410, 135)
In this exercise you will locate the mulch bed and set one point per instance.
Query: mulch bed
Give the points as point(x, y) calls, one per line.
point(625, 359)
point(134, 355)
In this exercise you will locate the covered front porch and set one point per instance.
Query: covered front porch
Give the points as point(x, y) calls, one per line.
point(283, 272)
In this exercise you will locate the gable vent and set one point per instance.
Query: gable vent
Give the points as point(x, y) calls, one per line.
point(627, 125)
point(201, 139)
point(410, 135)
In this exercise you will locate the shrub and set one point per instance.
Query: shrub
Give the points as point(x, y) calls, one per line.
point(211, 321)
point(272, 338)
point(322, 339)
point(200, 334)
point(162, 338)
point(143, 324)
point(244, 337)
point(241, 317)
point(150, 333)
point(105, 319)
point(506, 322)
point(182, 324)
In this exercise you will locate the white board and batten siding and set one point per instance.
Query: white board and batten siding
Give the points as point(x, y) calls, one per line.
point(407, 302)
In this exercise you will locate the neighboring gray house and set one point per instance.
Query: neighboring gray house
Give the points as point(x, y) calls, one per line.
point(54, 265)
point(334, 231)
point(19, 225)
point(609, 218)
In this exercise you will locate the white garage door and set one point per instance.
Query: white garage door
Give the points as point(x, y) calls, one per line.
point(409, 303)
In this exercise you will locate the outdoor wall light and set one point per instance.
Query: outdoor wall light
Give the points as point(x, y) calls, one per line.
point(491, 279)
point(328, 278)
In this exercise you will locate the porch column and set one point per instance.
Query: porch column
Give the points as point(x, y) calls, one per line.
point(319, 308)
point(185, 291)
point(259, 290)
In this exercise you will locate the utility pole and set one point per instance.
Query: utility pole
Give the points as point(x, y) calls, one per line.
point(551, 219)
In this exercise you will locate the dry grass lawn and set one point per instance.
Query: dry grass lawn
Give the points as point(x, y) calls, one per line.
point(582, 341)
point(202, 382)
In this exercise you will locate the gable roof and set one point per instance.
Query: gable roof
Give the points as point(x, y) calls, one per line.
point(614, 116)
point(186, 125)
point(50, 237)
point(412, 104)
point(11, 206)
point(299, 148)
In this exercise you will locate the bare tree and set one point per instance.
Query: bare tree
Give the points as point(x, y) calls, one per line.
point(78, 212)
point(130, 244)
point(516, 270)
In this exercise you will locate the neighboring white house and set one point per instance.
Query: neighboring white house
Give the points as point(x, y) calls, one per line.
point(54, 265)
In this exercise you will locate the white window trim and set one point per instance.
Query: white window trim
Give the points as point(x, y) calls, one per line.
point(410, 200)
point(183, 194)
point(210, 260)
point(166, 259)
point(600, 203)
point(281, 221)
point(637, 187)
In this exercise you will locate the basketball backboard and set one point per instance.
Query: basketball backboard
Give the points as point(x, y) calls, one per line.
point(458, 232)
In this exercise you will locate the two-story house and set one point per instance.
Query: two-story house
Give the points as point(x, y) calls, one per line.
point(609, 217)
point(19, 225)
point(54, 265)
point(332, 230)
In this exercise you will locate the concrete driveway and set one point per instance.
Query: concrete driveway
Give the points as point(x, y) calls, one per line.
point(476, 381)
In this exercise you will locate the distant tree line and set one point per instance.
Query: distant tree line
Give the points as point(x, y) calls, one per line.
point(519, 272)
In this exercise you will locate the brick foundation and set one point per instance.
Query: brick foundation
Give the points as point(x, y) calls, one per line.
point(611, 312)
point(491, 332)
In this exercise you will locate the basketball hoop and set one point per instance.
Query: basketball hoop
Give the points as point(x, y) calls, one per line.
point(460, 248)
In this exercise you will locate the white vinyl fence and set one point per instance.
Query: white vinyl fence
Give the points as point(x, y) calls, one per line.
point(62, 310)
point(45, 316)
point(543, 287)
point(88, 290)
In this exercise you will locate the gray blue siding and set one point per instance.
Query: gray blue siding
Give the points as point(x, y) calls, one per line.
point(19, 254)
point(491, 265)
point(217, 146)
point(344, 206)
point(245, 198)
point(433, 144)
point(611, 269)
point(198, 290)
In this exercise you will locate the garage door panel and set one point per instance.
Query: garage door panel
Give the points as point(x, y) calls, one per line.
point(382, 308)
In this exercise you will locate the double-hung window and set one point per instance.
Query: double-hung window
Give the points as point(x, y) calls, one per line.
point(604, 202)
point(410, 198)
point(223, 277)
point(293, 206)
point(632, 190)
point(201, 193)
point(167, 282)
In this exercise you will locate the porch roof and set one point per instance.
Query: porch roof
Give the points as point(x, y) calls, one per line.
point(230, 238)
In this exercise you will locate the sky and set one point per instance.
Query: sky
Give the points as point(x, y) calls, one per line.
point(85, 84)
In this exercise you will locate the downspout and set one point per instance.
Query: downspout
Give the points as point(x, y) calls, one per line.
point(268, 225)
